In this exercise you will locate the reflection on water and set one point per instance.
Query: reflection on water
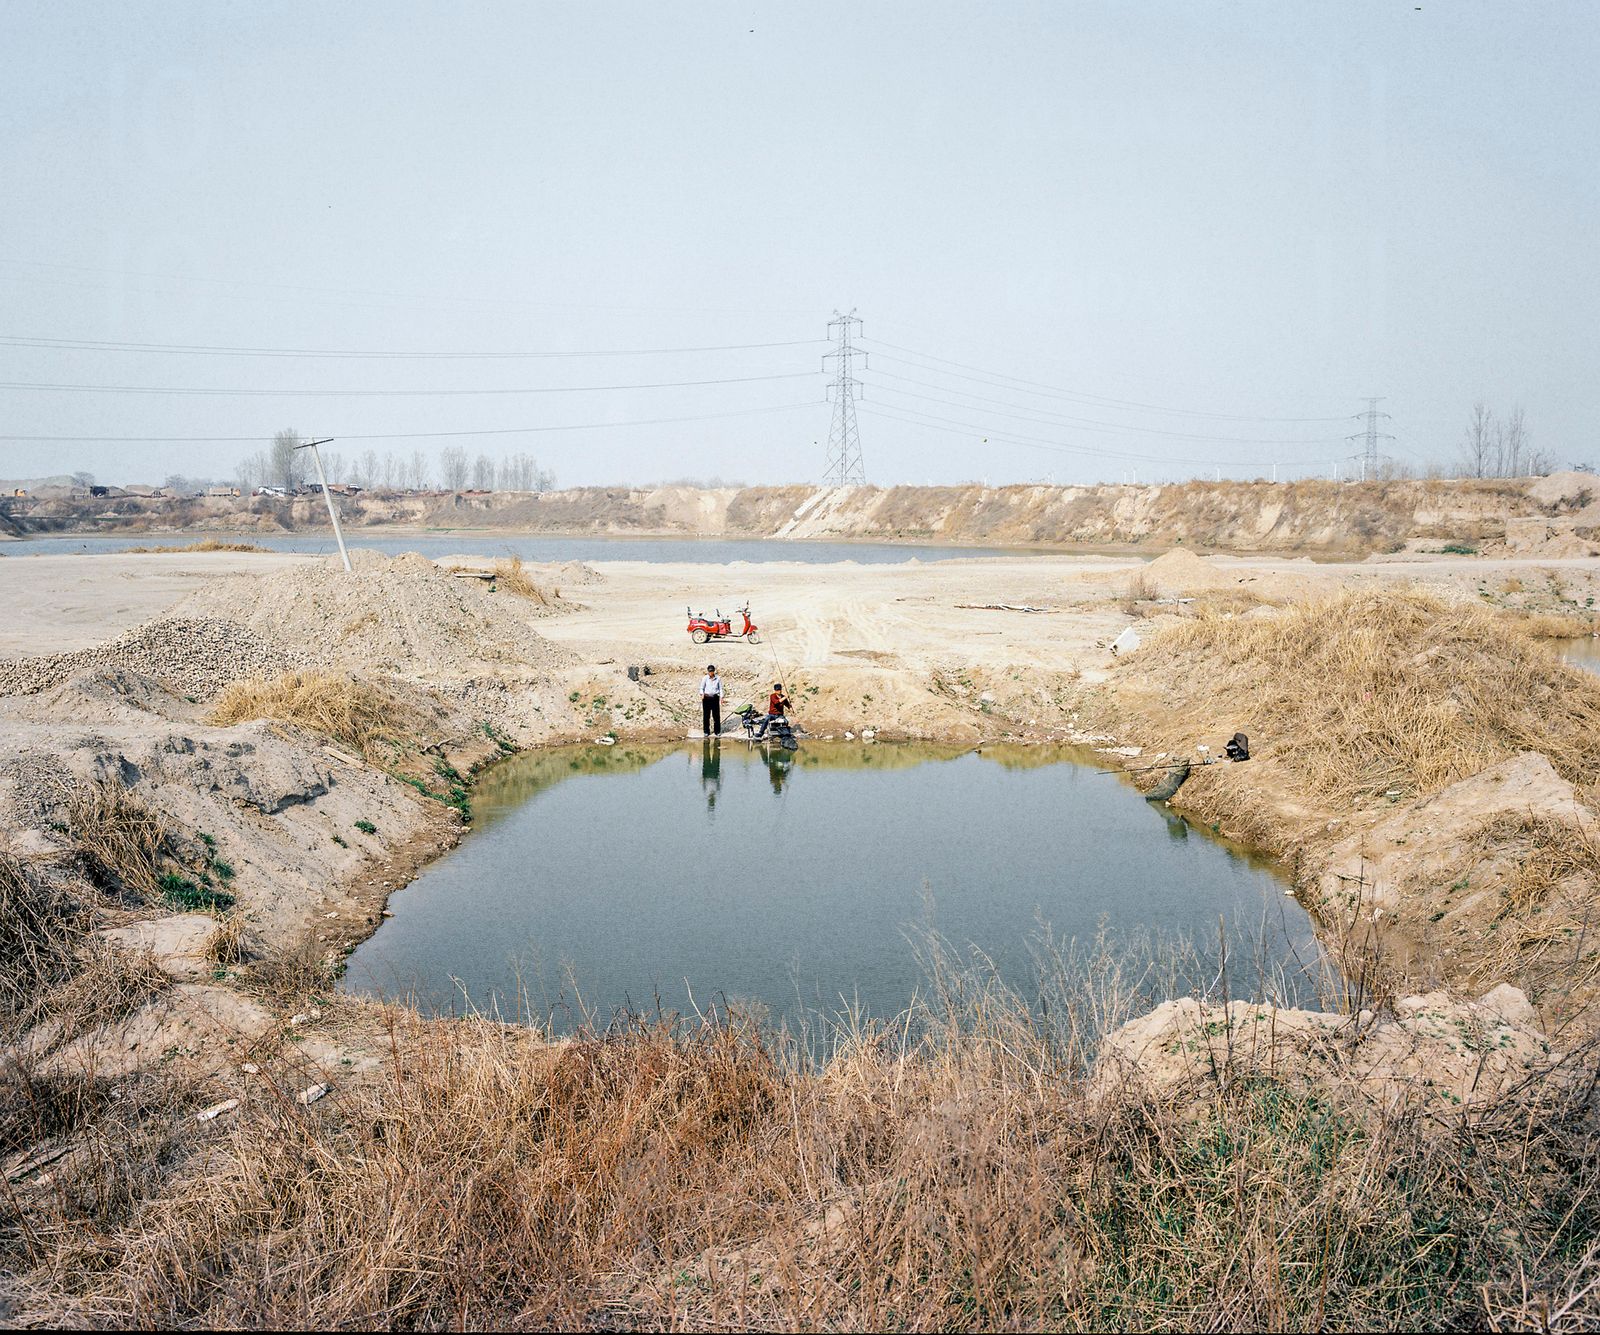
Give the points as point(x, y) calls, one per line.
point(644, 875)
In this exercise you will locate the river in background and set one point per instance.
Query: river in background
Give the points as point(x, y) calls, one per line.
point(530, 547)
point(604, 879)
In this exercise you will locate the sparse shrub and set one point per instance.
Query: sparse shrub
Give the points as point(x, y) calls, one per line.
point(366, 827)
point(123, 842)
point(41, 924)
point(1140, 589)
point(181, 892)
point(510, 576)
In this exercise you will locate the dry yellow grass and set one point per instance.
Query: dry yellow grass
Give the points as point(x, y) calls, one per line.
point(204, 545)
point(41, 923)
point(1369, 692)
point(349, 710)
point(511, 577)
point(124, 842)
point(1554, 625)
point(702, 1177)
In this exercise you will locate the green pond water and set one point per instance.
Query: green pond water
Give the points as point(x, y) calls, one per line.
point(606, 879)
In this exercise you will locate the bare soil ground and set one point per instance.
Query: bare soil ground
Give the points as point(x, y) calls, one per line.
point(246, 855)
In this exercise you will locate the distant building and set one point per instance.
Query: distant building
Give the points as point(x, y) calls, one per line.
point(269, 491)
point(222, 491)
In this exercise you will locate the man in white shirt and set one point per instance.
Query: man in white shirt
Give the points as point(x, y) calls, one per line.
point(711, 702)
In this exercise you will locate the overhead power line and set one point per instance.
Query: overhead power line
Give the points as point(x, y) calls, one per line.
point(968, 429)
point(396, 393)
point(415, 435)
point(1075, 396)
point(212, 350)
point(1046, 418)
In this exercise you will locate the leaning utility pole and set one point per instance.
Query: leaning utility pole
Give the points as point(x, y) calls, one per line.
point(327, 495)
point(845, 468)
point(1370, 438)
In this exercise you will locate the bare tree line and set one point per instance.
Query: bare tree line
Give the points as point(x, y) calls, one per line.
point(1495, 446)
point(284, 465)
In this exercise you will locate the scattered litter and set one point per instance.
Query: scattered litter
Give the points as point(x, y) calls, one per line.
point(249, 1068)
point(337, 754)
point(1004, 607)
point(1126, 643)
point(849, 736)
point(216, 1110)
point(301, 1018)
point(312, 1094)
point(605, 741)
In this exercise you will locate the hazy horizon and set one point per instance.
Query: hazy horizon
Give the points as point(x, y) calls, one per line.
point(1085, 242)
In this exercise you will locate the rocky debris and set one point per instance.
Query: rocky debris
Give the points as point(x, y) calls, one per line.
point(1541, 538)
point(400, 614)
point(192, 656)
point(1455, 1052)
point(216, 1110)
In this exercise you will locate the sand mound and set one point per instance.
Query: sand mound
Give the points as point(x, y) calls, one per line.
point(1567, 490)
point(189, 655)
point(400, 614)
point(1181, 573)
point(570, 573)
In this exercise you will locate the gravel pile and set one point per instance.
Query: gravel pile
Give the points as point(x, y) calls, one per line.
point(190, 656)
point(400, 614)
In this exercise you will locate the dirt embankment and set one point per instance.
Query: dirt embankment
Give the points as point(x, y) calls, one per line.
point(1545, 516)
point(1428, 769)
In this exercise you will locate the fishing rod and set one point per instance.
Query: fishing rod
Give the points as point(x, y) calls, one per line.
point(1170, 764)
point(1237, 749)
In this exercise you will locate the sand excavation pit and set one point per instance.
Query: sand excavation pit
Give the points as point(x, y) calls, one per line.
point(400, 614)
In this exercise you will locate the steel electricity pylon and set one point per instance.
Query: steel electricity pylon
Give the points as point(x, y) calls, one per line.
point(845, 468)
point(1370, 438)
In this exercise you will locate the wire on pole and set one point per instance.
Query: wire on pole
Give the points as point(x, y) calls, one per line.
point(333, 512)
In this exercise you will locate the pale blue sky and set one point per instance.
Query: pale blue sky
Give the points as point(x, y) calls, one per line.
point(1242, 209)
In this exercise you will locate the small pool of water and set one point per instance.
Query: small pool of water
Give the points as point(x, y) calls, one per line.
point(1583, 653)
point(530, 547)
point(599, 879)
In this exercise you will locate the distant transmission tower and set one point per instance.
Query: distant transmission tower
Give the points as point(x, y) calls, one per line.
point(845, 468)
point(1370, 438)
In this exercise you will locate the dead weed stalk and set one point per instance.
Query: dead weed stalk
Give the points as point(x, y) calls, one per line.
point(355, 712)
point(511, 577)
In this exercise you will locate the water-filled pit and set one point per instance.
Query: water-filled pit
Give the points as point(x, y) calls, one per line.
point(599, 879)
